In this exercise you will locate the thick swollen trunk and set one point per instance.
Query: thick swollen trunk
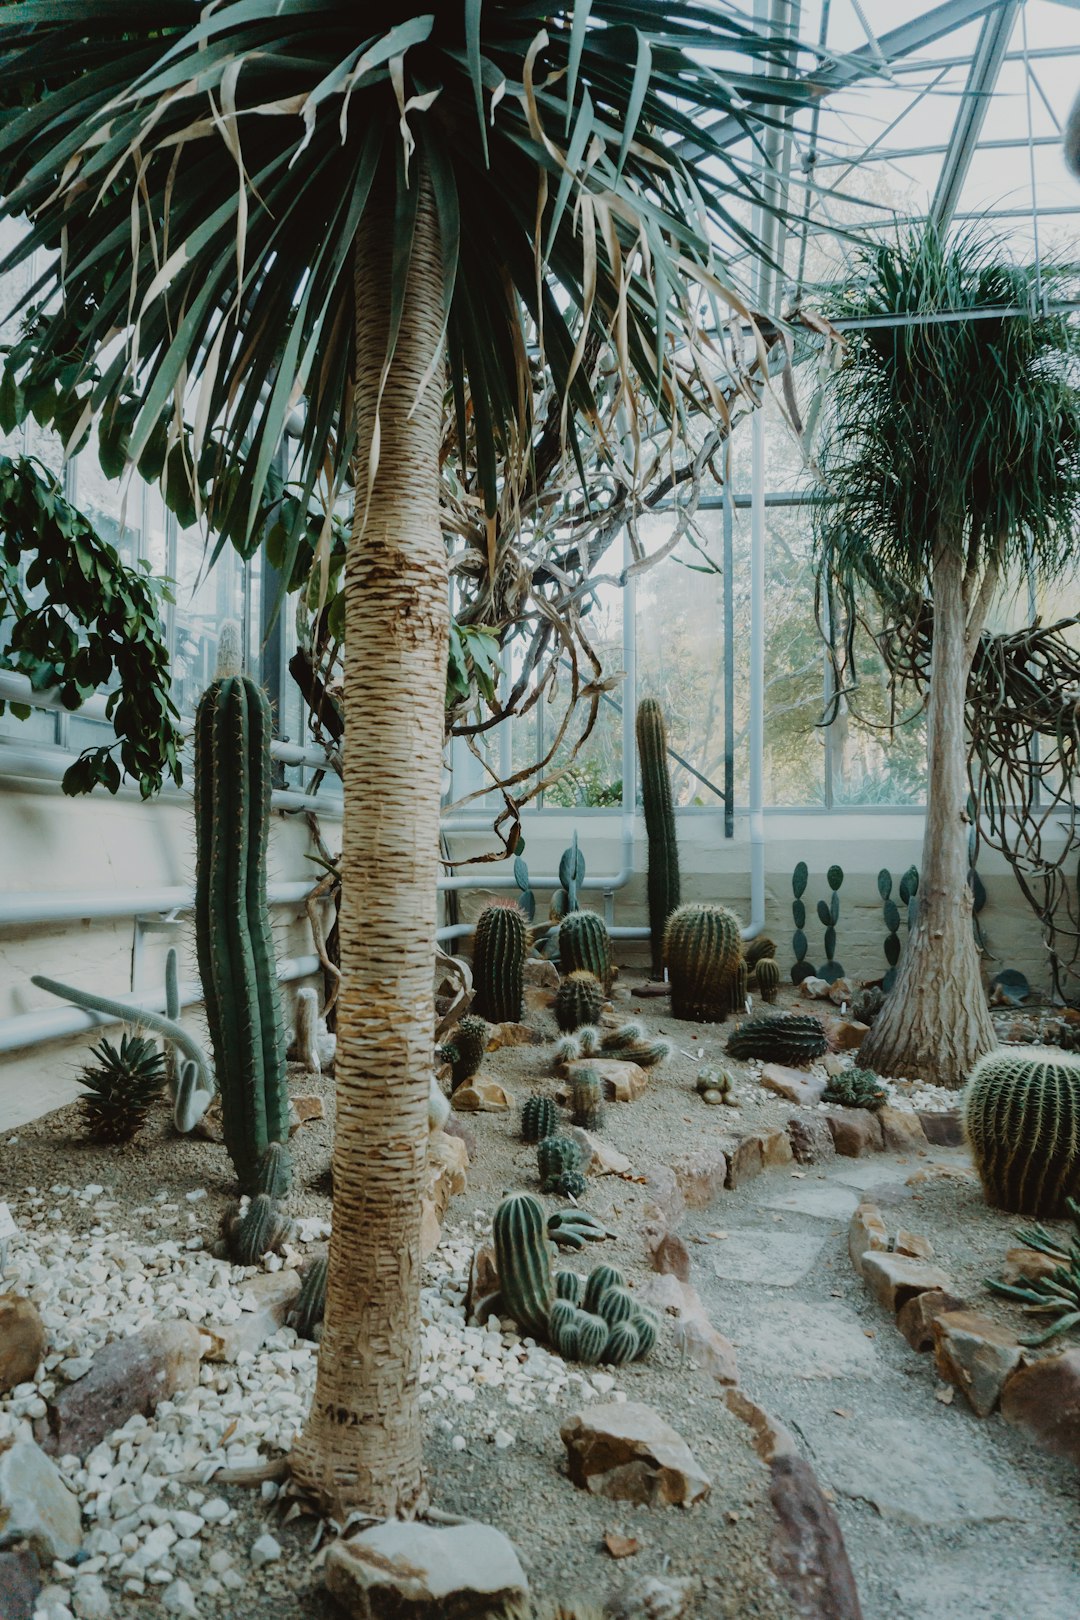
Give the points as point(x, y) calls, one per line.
point(935, 1021)
point(361, 1447)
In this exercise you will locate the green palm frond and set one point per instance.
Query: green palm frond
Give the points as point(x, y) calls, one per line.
point(198, 175)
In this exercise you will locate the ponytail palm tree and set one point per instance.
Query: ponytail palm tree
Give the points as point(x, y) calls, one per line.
point(950, 464)
point(378, 212)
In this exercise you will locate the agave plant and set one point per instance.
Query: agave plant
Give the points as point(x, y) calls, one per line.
point(123, 1084)
point(1057, 1294)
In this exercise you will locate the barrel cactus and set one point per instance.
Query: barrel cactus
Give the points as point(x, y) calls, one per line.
point(523, 1261)
point(275, 1171)
point(468, 1045)
point(568, 1184)
point(310, 1304)
point(539, 1118)
point(499, 950)
point(790, 1038)
point(1021, 1110)
point(759, 950)
point(623, 1343)
point(578, 1000)
point(585, 946)
point(592, 1337)
point(855, 1088)
point(703, 951)
point(768, 979)
point(233, 937)
point(557, 1156)
point(260, 1229)
point(587, 1099)
point(742, 987)
point(663, 882)
point(570, 1285)
point(600, 1279)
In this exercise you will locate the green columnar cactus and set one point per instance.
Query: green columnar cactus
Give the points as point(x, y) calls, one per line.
point(855, 1088)
point(587, 1099)
point(584, 945)
point(469, 1042)
point(569, 1285)
point(539, 1118)
point(592, 1337)
point(779, 1038)
point(759, 950)
point(233, 937)
point(829, 915)
point(600, 1279)
point(768, 979)
point(262, 1228)
point(557, 1156)
point(659, 825)
point(623, 1343)
point(523, 1261)
point(310, 1304)
point(172, 1010)
point(1021, 1111)
point(499, 951)
point(703, 951)
point(799, 942)
point(578, 1000)
point(275, 1171)
point(742, 986)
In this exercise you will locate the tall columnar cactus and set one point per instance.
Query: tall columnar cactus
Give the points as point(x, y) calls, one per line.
point(233, 937)
point(587, 1099)
point(703, 952)
point(578, 1000)
point(742, 986)
point(768, 979)
point(310, 1304)
point(538, 1118)
point(659, 825)
point(779, 1038)
point(1021, 1111)
point(523, 1261)
point(499, 951)
point(799, 942)
point(585, 946)
point(829, 915)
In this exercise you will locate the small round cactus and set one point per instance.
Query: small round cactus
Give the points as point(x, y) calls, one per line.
point(468, 1046)
point(1021, 1112)
point(715, 1085)
point(768, 979)
point(623, 1343)
point(600, 1279)
point(539, 1118)
point(578, 1000)
point(570, 1285)
point(569, 1184)
point(557, 1156)
point(615, 1305)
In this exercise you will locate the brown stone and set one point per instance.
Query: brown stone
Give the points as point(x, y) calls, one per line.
point(623, 1082)
point(807, 1551)
point(706, 1348)
point(901, 1132)
point(483, 1276)
point(36, 1506)
point(650, 1598)
point(916, 1319)
point(665, 1199)
point(430, 1228)
point(855, 1132)
point(667, 1251)
point(481, 1097)
point(1044, 1399)
point(270, 1294)
point(458, 1128)
point(744, 1161)
point(537, 1000)
point(1027, 1265)
point(22, 1340)
point(651, 991)
point(127, 1376)
point(701, 1176)
point(665, 1293)
point(447, 1167)
point(626, 1451)
point(833, 1064)
point(306, 1109)
point(846, 1034)
point(914, 1245)
point(771, 1439)
point(775, 1149)
point(794, 1084)
point(977, 1355)
point(539, 972)
point(943, 1130)
point(810, 1138)
point(867, 1233)
point(815, 989)
point(414, 1571)
point(20, 1583)
point(512, 1034)
point(601, 1159)
point(893, 1278)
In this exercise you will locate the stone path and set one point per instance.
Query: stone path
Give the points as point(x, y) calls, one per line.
point(946, 1516)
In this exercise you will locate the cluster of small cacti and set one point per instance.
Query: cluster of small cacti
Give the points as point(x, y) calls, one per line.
point(233, 936)
point(559, 1157)
point(790, 1038)
point(571, 876)
point(855, 1088)
point(829, 915)
point(539, 1118)
point(767, 974)
point(585, 946)
point(633, 1043)
point(310, 1307)
point(500, 947)
point(587, 1099)
point(756, 951)
point(573, 1228)
point(263, 1227)
point(579, 1000)
point(703, 952)
point(663, 881)
point(1021, 1110)
point(715, 1085)
point(123, 1083)
point(465, 1050)
point(909, 886)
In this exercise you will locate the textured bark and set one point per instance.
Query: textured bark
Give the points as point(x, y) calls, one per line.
point(361, 1447)
point(935, 1022)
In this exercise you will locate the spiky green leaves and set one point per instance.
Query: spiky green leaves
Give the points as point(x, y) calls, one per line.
point(557, 1156)
point(539, 1118)
point(1021, 1112)
point(123, 1084)
point(855, 1088)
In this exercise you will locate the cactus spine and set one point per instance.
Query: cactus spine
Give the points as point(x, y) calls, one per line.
point(584, 946)
point(829, 915)
point(779, 1038)
point(768, 979)
point(578, 1000)
point(1021, 1111)
point(799, 942)
point(502, 940)
point(659, 826)
point(538, 1118)
point(703, 953)
point(587, 1096)
point(233, 937)
point(523, 1260)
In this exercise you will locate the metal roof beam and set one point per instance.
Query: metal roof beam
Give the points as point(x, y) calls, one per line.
point(983, 74)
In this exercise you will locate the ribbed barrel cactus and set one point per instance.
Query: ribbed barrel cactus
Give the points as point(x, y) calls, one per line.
point(523, 1261)
point(585, 946)
point(499, 951)
point(779, 1038)
point(703, 951)
point(768, 978)
point(578, 1000)
point(663, 883)
point(539, 1118)
point(1021, 1111)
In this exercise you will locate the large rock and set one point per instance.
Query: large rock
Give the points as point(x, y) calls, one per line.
point(775, 1149)
point(512, 1034)
point(745, 1162)
point(667, 1251)
point(1027, 1265)
point(626, 1451)
point(541, 973)
point(867, 1233)
point(855, 1132)
point(701, 1175)
point(399, 1571)
point(622, 1082)
point(807, 1553)
point(916, 1318)
point(127, 1376)
point(975, 1354)
point(35, 1504)
point(944, 1129)
point(901, 1131)
point(22, 1340)
point(846, 1034)
point(705, 1347)
point(481, 1097)
point(266, 1301)
point(664, 1197)
point(601, 1159)
point(810, 1138)
point(893, 1278)
point(794, 1084)
point(1044, 1399)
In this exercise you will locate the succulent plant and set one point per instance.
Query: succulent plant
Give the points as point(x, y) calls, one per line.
point(663, 882)
point(616, 1041)
point(615, 1305)
point(568, 1184)
point(585, 946)
point(573, 1228)
point(855, 1088)
point(569, 1285)
point(468, 1044)
point(1021, 1110)
point(909, 886)
point(713, 1079)
point(500, 946)
point(790, 1038)
point(768, 979)
point(275, 1171)
point(310, 1304)
point(1055, 1294)
point(578, 1000)
point(523, 1261)
point(592, 1337)
point(829, 915)
point(122, 1085)
point(587, 1099)
point(703, 951)
point(646, 1323)
point(557, 1156)
point(599, 1280)
point(262, 1229)
point(623, 1343)
point(526, 900)
point(539, 1118)
point(799, 942)
point(184, 1042)
point(756, 951)
point(646, 1053)
point(571, 876)
point(742, 987)
point(866, 1004)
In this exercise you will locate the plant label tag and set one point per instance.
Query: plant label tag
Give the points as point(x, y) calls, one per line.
point(8, 1229)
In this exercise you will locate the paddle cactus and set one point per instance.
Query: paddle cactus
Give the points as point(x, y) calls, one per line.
point(663, 882)
point(799, 942)
point(573, 1228)
point(499, 950)
point(703, 951)
point(539, 1118)
point(571, 876)
point(523, 1261)
point(578, 1000)
point(790, 1038)
point(829, 915)
point(584, 946)
point(909, 886)
point(587, 1099)
point(768, 979)
point(1021, 1110)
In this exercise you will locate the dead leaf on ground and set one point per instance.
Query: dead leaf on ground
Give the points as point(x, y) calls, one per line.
point(843, 1411)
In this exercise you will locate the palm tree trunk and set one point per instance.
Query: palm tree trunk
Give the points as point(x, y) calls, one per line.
point(361, 1447)
point(935, 1022)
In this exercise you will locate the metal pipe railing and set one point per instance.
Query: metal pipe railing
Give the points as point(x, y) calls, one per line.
point(20, 908)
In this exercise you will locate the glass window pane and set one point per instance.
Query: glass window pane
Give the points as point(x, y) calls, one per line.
point(594, 779)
